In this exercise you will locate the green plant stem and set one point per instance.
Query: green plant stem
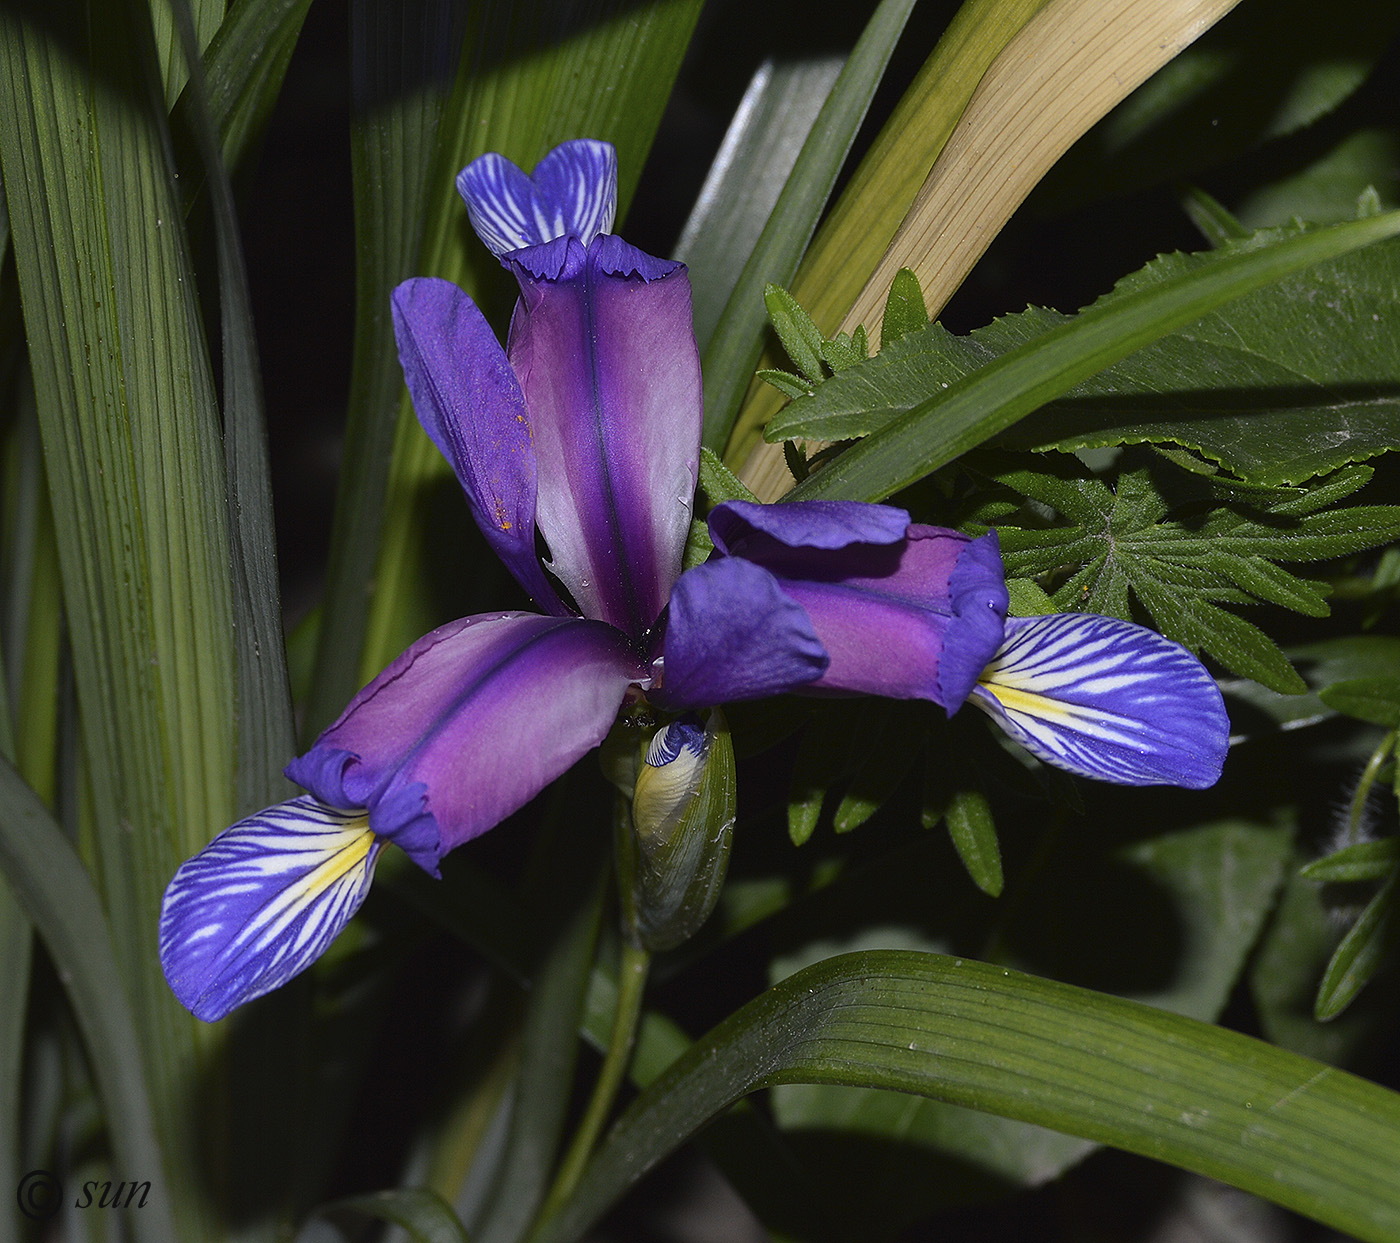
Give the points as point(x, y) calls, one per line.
point(1363, 786)
point(631, 985)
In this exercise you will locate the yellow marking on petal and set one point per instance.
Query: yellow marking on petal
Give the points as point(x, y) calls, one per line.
point(1094, 722)
point(356, 841)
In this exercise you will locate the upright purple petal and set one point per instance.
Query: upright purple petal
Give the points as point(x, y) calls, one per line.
point(1108, 700)
point(607, 360)
point(573, 193)
point(261, 903)
point(746, 529)
point(731, 634)
point(469, 724)
point(471, 406)
point(914, 620)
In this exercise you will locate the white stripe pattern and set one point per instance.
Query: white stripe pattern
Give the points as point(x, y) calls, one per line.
point(1106, 699)
point(262, 901)
point(573, 193)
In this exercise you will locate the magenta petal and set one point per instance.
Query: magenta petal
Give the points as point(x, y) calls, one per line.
point(732, 634)
point(744, 529)
point(919, 620)
point(611, 375)
point(471, 406)
point(469, 724)
point(572, 193)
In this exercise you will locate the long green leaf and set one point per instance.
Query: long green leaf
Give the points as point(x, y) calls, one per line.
point(244, 67)
point(747, 176)
point(402, 73)
point(56, 893)
point(733, 350)
point(1319, 1141)
point(264, 706)
point(970, 410)
point(132, 443)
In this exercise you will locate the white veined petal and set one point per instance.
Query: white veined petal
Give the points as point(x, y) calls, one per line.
point(1106, 699)
point(572, 192)
point(262, 901)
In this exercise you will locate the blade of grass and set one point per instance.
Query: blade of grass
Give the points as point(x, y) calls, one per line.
point(737, 342)
point(742, 187)
point(56, 893)
point(403, 58)
point(264, 736)
point(131, 437)
point(1317, 1140)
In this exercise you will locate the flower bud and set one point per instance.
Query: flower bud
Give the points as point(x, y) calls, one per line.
point(682, 827)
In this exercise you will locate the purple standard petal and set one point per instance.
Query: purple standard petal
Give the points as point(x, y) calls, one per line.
point(261, 903)
point(573, 193)
point(610, 372)
point(470, 404)
point(468, 725)
point(915, 620)
point(1108, 700)
point(732, 634)
point(746, 529)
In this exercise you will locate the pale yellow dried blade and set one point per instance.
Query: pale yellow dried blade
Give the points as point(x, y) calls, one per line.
point(1068, 66)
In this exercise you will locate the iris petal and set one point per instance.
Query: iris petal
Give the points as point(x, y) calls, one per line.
point(469, 724)
point(1107, 699)
point(607, 361)
point(262, 901)
point(733, 634)
point(744, 528)
point(471, 406)
point(572, 193)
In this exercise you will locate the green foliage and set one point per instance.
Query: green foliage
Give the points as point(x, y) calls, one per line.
point(1183, 544)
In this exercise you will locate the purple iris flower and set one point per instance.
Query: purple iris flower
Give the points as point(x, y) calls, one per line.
point(584, 433)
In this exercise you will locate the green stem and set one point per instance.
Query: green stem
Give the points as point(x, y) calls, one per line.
point(631, 985)
point(1363, 786)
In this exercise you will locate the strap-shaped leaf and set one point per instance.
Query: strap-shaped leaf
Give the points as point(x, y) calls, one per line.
point(1317, 1140)
point(54, 890)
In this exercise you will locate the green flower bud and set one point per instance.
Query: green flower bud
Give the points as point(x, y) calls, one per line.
point(681, 829)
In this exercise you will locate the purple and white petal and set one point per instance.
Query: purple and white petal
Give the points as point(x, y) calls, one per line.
point(746, 529)
point(470, 404)
point(262, 901)
point(914, 620)
point(1107, 699)
point(731, 634)
point(572, 193)
point(469, 724)
point(611, 375)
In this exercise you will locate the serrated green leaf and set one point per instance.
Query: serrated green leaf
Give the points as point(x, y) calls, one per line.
point(796, 331)
point(905, 311)
point(1361, 862)
point(1360, 955)
point(1322, 1142)
point(1368, 699)
point(718, 482)
point(1329, 187)
point(1164, 298)
point(785, 382)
